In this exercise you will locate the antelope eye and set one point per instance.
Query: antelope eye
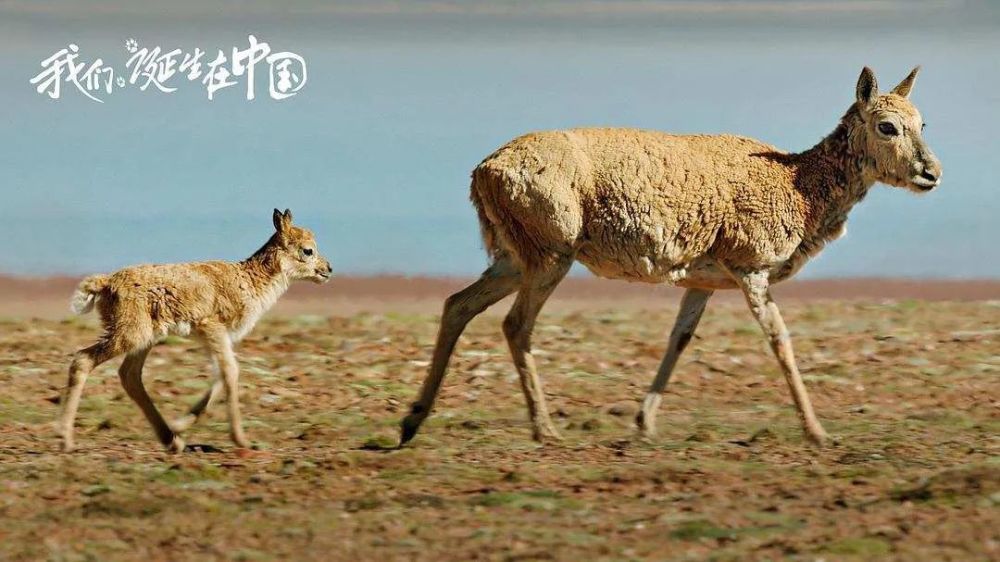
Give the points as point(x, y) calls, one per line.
point(887, 128)
point(307, 251)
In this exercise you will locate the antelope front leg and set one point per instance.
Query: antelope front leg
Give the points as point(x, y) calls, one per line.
point(692, 306)
point(756, 288)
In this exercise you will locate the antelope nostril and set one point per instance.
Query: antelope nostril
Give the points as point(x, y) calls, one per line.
point(928, 175)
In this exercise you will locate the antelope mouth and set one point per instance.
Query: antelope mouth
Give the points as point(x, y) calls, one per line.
point(925, 181)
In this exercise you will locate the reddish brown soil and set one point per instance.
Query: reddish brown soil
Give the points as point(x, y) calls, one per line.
point(909, 387)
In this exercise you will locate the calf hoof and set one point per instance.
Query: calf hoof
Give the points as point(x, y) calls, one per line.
point(820, 438)
point(183, 423)
point(65, 435)
point(240, 440)
point(546, 433)
point(176, 445)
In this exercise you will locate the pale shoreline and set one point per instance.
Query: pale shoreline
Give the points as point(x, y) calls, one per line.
point(48, 297)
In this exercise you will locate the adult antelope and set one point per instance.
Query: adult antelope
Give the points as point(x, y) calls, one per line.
point(704, 212)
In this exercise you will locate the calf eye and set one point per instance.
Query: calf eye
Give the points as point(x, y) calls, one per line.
point(307, 251)
point(887, 128)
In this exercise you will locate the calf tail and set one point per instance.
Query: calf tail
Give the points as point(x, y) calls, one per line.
point(86, 293)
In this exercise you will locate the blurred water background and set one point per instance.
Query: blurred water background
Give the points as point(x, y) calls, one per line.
point(404, 98)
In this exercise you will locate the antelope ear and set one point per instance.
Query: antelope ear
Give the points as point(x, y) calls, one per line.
point(904, 87)
point(288, 217)
point(867, 87)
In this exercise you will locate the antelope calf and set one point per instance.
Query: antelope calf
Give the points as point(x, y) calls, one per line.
point(216, 302)
point(704, 212)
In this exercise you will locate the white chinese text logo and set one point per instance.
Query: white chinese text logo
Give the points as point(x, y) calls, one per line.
point(155, 67)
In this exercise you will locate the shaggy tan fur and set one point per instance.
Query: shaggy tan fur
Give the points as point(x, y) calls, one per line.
point(217, 302)
point(704, 212)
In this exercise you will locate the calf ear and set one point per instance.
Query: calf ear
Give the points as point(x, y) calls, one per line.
point(867, 87)
point(904, 87)
point(281, 220)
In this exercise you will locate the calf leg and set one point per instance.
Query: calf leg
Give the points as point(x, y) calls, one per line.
point(755, 286)
point(84, 361)
point(692, 306)
point(198, 409)
point(498, 281)
point(130, 374)
point(222, 349)
point(518, 327)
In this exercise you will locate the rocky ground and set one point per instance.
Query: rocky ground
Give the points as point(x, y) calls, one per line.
point(910, 388)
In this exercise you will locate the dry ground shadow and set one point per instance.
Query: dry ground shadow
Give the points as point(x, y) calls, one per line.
point(910, 388)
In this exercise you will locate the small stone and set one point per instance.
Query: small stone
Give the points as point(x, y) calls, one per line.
point(763, 434)
point(701, 436)
point(622, 410)
point(96, 490)
point(261, 478)
point(473, 424)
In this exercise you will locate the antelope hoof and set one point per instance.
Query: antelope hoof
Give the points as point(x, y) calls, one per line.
point(646, 418)
point(409, 427)
point(645, 425)
point(67, 446)
point(411, 423)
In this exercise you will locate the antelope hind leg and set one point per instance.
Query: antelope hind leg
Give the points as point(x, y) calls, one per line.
point(498, 281)
point(518, 327)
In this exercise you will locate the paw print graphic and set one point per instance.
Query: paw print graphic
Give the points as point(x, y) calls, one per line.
point(120, 81)
point(131, 45)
